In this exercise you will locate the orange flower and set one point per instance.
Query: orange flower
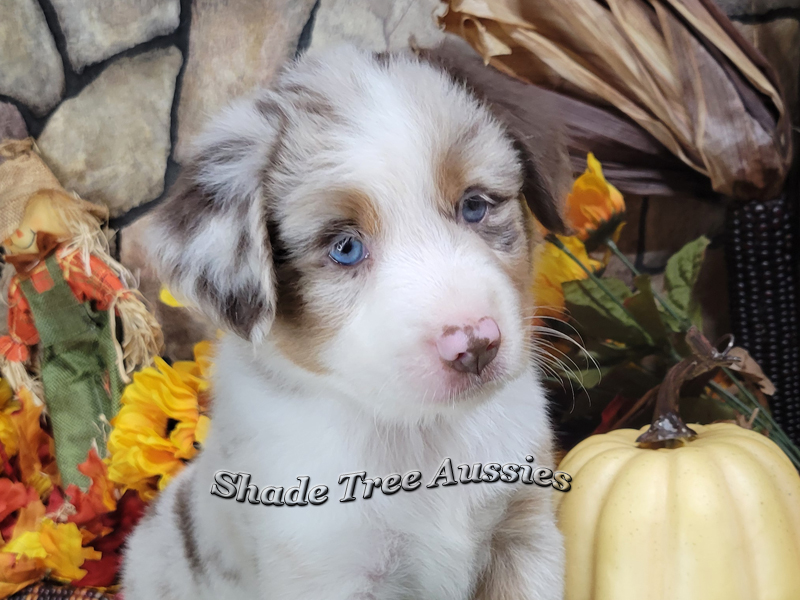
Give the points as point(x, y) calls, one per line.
point(553, 267)
point(595, 208)
point(160, 424)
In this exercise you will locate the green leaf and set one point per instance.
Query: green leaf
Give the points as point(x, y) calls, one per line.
point(674, 325)
point(644, 309)
point(587, 378)
point(607, 354)
point(598, 316)
point(680, 278)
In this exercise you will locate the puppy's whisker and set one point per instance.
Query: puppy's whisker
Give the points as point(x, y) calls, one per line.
point(566, 356)
point(579, 345)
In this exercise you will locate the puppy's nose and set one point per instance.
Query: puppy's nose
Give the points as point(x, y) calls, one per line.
point(469, 348)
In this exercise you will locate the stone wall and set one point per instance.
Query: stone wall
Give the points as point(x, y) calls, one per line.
point(114, 91)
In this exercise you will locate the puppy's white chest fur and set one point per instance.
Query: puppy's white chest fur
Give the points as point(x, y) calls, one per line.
point(425, 543)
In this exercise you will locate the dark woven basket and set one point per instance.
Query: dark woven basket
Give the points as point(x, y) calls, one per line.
point(762, 257)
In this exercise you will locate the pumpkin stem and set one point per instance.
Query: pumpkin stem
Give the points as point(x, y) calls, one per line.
point(667, 428)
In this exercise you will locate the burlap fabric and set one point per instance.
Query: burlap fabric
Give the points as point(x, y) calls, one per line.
point(22, 174)
point(82, 385)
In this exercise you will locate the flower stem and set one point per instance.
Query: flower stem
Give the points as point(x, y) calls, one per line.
point(661, 300)
point(763, 419)
point(755, 404)
point(596, 280)
point(745, 392)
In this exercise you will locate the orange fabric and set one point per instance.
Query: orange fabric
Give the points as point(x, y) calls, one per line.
point(101, 287)
point(23, 263)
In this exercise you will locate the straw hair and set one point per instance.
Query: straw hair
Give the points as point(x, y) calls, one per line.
point(18, 378)
point(142, 338)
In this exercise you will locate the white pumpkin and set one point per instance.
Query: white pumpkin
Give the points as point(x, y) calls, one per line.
point(716, 518)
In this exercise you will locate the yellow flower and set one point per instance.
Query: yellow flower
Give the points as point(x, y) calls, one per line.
point(203, 359)
point(553, 267)
point(595, 208)
point(160, 424)
point(166, 297)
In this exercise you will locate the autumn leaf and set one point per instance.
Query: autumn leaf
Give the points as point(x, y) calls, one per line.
point(13, 496)
point(99, 498)
point(31, 438)
point(65, 552)
point(17, 573)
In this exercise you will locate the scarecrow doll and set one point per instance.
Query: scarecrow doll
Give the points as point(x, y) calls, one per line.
point(65, 296)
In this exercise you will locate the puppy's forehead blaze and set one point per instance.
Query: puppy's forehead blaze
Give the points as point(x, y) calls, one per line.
point(451, 178)
point(316, 217)
point(356, 206)
point(478, 158)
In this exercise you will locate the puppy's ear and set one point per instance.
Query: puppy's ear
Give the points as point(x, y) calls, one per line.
point(209, 238)
point(530, 115)
point(543, 191)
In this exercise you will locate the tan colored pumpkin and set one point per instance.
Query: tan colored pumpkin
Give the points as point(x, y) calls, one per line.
point(715, 516)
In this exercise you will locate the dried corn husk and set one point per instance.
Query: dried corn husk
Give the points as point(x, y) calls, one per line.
point(677, 68)
point(633, 160)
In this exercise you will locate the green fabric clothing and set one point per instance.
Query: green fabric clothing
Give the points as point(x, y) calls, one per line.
point(82, 384)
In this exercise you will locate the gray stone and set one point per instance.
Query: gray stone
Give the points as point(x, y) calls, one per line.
point(97, 29)
point(110, 143)
point(31, 70)
point(736, 8)
point(182, 327)
point(12, 125)
point(235, 46)
point(378, 25)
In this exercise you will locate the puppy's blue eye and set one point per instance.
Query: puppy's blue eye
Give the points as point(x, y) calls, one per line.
point(348, 251)
point(474, 208)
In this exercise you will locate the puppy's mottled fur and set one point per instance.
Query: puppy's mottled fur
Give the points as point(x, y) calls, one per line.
point(332, 369)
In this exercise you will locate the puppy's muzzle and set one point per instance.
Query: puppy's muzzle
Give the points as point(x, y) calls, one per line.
point(469, 348)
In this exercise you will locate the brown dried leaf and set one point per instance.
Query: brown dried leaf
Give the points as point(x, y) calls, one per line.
point(750, 369)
